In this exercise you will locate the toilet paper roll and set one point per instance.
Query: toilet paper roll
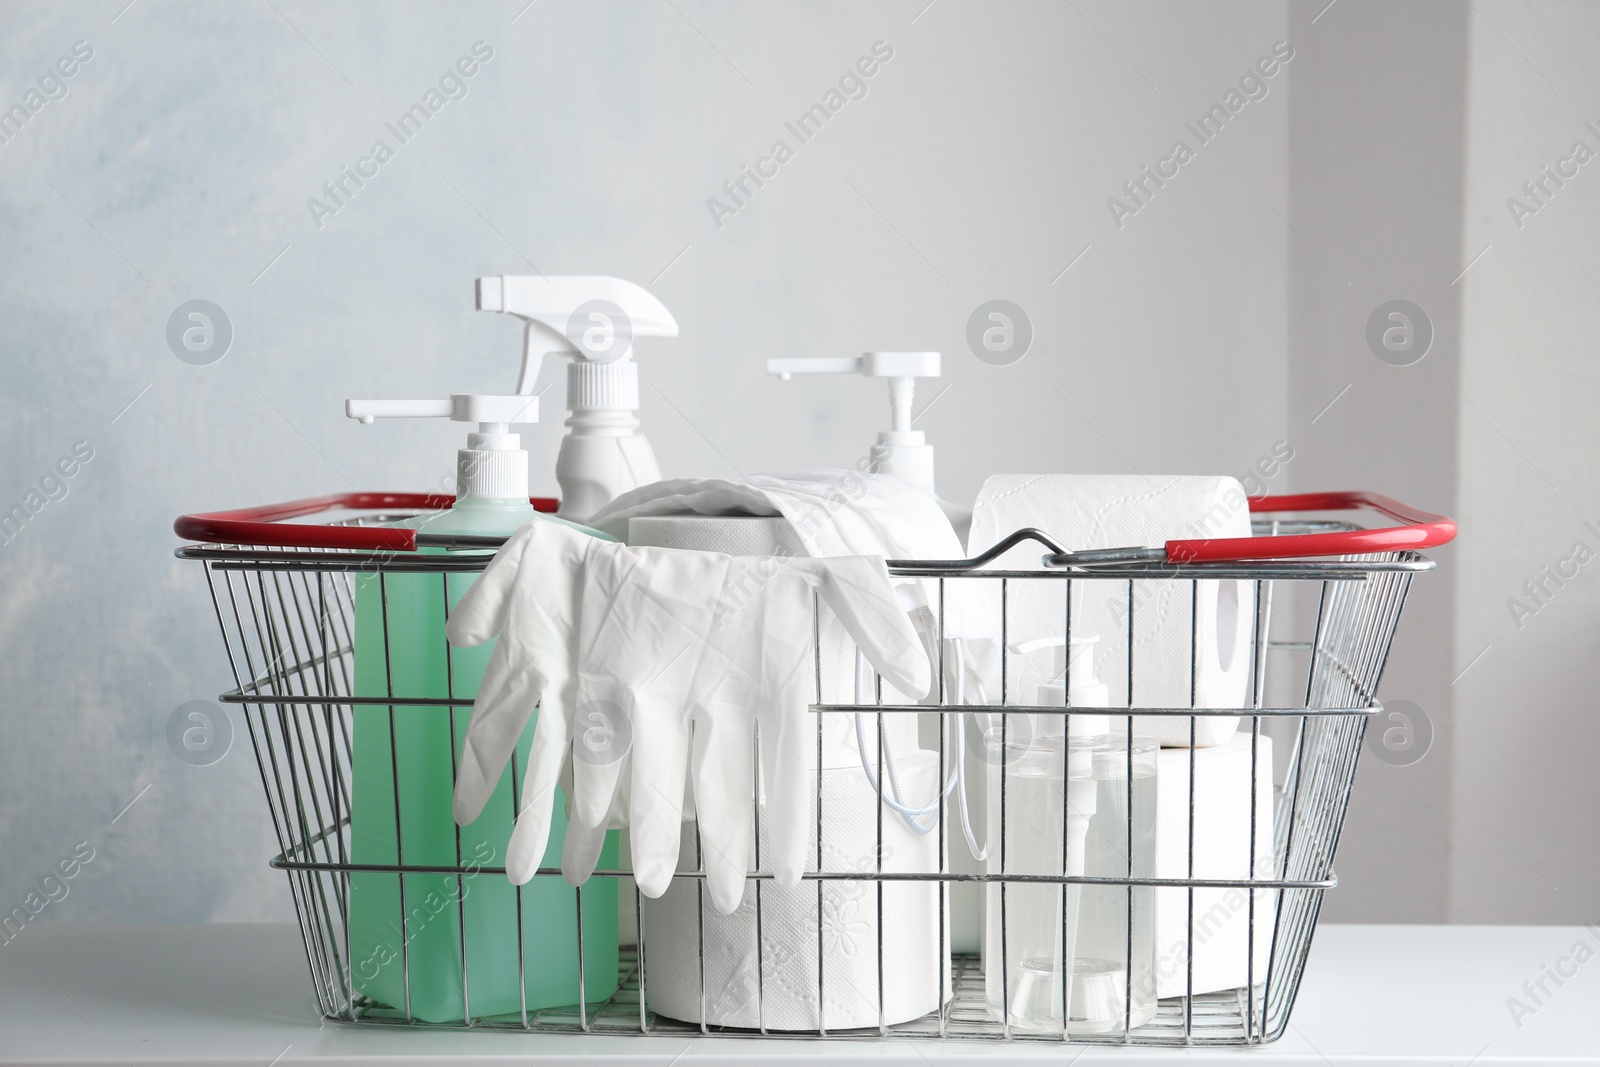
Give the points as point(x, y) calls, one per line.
point(779, 987)
point(761, 535)
point(1221, 850)
point(1115, 511)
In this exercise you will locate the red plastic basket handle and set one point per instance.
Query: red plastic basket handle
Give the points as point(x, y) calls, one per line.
point(1419, 529)
point(266, 525)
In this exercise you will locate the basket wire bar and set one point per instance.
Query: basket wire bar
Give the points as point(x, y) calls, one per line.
point(287, 618)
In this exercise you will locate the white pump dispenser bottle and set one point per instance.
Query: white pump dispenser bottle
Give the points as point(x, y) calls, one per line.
point(491, 472)
point(1071, 809)
point(593, 321)
point(900, 450)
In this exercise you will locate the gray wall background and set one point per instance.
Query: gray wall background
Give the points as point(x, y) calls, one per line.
point(1412, 130)
point(1522, 827)
point(1376, 137)
point(1191, 339)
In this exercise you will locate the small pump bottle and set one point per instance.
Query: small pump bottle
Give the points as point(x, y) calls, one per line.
point(899, 450)
point(1060, 792)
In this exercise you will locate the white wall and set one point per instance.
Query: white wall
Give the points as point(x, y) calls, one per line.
point(1523, 836)
point(178, 167)
point(1375, 149)
point(1412, 126)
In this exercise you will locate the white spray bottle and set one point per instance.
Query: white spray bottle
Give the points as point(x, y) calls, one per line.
point(900, 450)
point(593, 321)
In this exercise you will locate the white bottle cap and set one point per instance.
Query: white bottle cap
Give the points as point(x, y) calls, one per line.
point(496, 471)
point(603, 386)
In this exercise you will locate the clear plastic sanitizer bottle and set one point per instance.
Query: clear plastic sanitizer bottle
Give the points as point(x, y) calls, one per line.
point(1062, 796)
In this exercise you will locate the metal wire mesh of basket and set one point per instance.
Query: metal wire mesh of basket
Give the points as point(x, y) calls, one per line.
point(878, 941)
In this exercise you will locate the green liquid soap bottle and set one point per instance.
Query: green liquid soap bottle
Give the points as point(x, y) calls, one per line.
point(443, 947)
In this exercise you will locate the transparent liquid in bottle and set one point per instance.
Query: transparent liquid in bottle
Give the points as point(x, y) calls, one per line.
point(1031, 927)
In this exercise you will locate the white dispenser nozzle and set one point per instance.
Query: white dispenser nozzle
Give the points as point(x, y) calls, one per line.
point(493, 465)
point(900, 451)
point(593, 321)
point(1077, 688)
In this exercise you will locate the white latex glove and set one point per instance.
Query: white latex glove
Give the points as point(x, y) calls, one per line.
point(679, 657)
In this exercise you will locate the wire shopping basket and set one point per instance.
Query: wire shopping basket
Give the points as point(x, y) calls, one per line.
point(356, 708)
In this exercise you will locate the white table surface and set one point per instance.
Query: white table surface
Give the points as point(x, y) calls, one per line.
point(241, 995)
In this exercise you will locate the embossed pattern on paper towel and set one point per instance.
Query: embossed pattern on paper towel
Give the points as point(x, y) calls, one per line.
point(779, 987)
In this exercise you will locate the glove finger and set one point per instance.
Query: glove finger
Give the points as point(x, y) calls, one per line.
point(724, 790)
point(602, 737)
point(786, 774)
point(525, 852)
point(658, 771)
point(581, 851)
point(531, 835)
point(506, 699)
point(857, 588)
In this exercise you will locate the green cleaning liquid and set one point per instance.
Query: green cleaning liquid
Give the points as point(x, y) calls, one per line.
point(443, 947)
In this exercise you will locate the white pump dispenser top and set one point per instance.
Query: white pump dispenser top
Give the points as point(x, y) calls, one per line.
point(900, 451)
point(493, 466)
point(593, 321)
point(1077, 688)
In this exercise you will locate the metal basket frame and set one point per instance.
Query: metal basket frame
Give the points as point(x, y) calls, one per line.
point(287, 619)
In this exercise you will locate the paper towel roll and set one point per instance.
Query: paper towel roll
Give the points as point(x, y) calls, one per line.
point(1221, 850)
point(736, 535)
point(1115, 511)
point(915, 976)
